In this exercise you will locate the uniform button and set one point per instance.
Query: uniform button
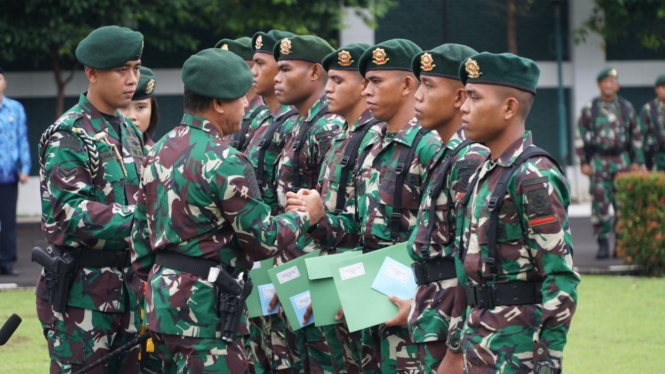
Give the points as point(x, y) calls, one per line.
point(540, 351)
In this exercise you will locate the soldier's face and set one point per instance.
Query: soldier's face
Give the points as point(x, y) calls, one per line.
point(139, 112)
point(660, 92)
point(231, 114)
point(344, 90)
point(438, 101)
point(383, 93)
point(608, 86)
point(116, 86)
point(264, 72)
point(293, 83)
point(482, 117)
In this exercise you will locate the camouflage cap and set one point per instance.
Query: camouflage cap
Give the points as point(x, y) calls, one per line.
point(345, 58)
point(393, 54)
point(241, 46)
point(146, 86)
point(302, 47)
point(503, 69)
point(659, 81)
point(265, 42)
point(216, 73)
point(607, 72)
point(442, 61)
point(110, 46)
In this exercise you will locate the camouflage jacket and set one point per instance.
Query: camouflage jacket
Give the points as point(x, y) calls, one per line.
point(608, 131)
point(92, 213)
point(329, 180)
point(198, 197)
point(654, 128)
point(268, 188)
point(255, 104)
point(368, 214)
point(433, 308)
point(533, 244)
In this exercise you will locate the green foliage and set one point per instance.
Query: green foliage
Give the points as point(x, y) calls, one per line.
point(641, 222)
point(611, 18)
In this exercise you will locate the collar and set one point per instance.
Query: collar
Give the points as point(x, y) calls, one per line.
point(198, 122)
point(514, 150)
point(316, 108)
point(253, 104)
point(406, 135)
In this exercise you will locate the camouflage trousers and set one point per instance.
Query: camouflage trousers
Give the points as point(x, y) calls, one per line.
point(350, 343)
point(430, 355)
point(260, 344)
point(189, 355)
point(389, 350)
point(603, 196)
point(284, 345)
point(80, 336)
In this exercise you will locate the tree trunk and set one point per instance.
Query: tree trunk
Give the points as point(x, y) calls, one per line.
point(511, 32)
point(60, 83)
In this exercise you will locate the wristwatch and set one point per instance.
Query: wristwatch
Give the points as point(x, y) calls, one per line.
point(454, 345)
point(546, 367)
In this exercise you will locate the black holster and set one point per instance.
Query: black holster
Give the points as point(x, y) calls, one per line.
point(230, 301)
point(61, 267)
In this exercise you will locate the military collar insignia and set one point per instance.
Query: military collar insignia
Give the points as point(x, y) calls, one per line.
point(612, 73)
point(426, 62)
point(344, 58)
point(379, 56)
point(224, 47)
point(258, 43)
point(472, 68)
point(285, 46)
point(150, 86)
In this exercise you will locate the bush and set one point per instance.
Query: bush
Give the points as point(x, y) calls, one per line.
point(641, 220)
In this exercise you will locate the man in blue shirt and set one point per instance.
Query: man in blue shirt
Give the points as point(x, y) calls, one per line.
point(14, 167)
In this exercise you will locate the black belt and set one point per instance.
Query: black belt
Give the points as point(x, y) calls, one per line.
point(433, 270)
point(95, 258)
point(514, 293)
point(609, 152)
point(195, 266)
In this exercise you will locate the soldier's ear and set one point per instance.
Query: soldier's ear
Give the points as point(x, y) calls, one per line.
point(218, 106)
point(316, 72)
point(91, 74)
point(460, 97)
point(511, 108)
point(410, 84)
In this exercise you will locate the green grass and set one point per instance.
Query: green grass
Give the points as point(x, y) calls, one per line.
point(619, 327)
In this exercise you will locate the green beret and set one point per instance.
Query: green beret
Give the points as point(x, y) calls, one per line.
point(393, 54)
point(607, 72)
point(504, 69)
point(345, 58)
point(660, 80)
point(241, 46)
point(442, 61)
point(302, 47)
point(146, 86)
point(217, 74)
point(265, 42)
point(109, 47)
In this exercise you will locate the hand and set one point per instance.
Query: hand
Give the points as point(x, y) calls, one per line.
point(339, 315)
point(314, 206)
point(403, 307)
point(586, 169)
point(635, 167)
point(308, 313)
point(23, 178)
point(295, 203)
point(273, 302)
point(453, 363)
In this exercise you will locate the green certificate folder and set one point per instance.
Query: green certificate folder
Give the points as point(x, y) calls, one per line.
point(325, 301)
point(353, 280)
point(259, 276)
point(290, 279)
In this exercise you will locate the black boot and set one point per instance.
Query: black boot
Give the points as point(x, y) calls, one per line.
point(603, 249)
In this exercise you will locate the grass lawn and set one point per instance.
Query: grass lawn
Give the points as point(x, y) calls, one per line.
point(619, 327)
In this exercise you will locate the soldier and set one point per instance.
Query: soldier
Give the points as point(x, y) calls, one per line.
point(300, 82)
point(199, 208)
point(392, 170)
point(515, 245)
point(609, 141)
point(143, 110)
point(256, 110)
point(432, 243)
point(90, 167)
point(652, 117)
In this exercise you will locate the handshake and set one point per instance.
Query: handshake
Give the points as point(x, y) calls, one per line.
point(305, 201)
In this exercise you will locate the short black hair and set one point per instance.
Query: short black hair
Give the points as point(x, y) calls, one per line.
point(154, 120)
point(195, 103)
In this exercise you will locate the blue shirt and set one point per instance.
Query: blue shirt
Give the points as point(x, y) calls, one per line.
point(14, 148)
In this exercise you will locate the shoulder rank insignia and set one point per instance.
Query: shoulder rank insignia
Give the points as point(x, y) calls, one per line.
point(472, 68)
point(344, 58)
point(224, 47)
point(379, 56)
point(258, 43)
point(285, 46)
point(150, 86)
point(426, 62)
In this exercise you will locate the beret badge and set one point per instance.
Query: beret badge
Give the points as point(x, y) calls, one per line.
point(150, 87)
point(472, 68)
point(258, 43)
point(379, 56)
point(344, 58)
point(426, 62)
point(285, 46)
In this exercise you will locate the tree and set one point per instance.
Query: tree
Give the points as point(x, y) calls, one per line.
point(53, 28)
point(612, 18)
point(510, 10)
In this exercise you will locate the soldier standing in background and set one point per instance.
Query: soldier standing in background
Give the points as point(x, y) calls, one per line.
point(652, 117)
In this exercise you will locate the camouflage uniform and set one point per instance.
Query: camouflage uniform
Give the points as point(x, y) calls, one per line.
point(93, 214)
point(609, 145)
point(232, 226)
point(432, 308)
point(256, 118)
point(368, 215)
point(533, 245)
point(655, 130)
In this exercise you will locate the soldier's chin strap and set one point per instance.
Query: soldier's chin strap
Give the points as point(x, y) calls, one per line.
point(117, 352)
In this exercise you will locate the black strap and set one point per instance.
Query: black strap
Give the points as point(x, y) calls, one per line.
point(195, 266)
point(498, 196)
point(357, 181)
point(300, 142)
point(265, 143)
point(513, 293)
point(401, 171)
point(349, 161)
point(434, 270)
point(436, 189)
point(238, 141)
